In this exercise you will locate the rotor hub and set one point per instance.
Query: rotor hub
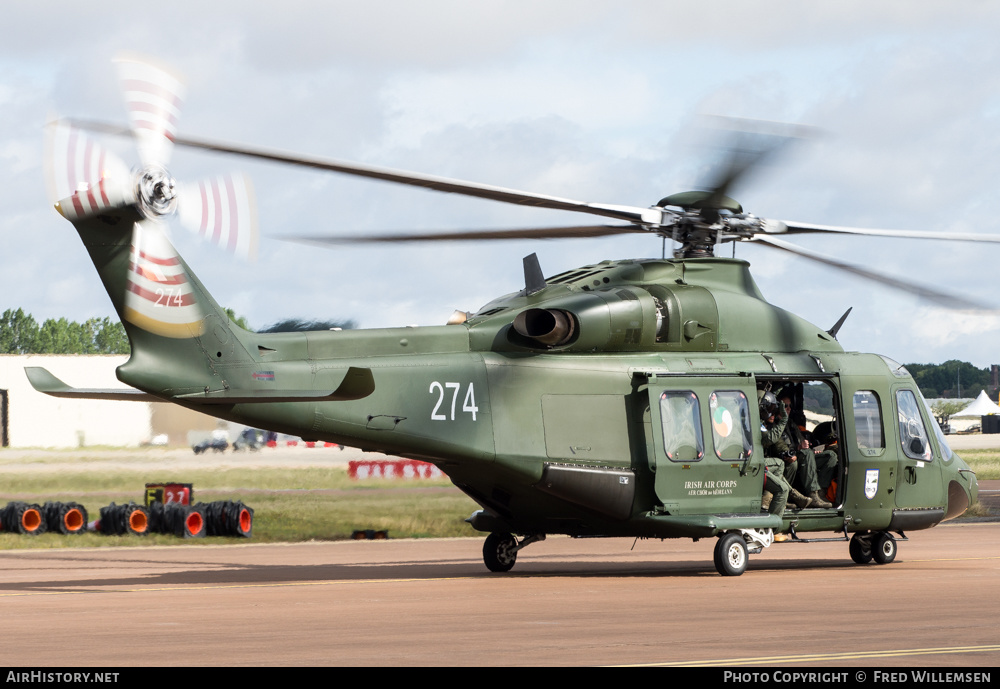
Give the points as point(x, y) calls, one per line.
point(156, 192)
point(698, 237)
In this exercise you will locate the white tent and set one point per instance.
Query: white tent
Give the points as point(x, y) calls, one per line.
point(981, 407)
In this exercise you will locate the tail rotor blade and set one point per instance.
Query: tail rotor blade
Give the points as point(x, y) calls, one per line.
point(160, 296)
point(223, 211)
point(75, 162)
point(153, 97)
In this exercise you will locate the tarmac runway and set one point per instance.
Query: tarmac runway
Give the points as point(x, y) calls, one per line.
point(432, 602)
point(567, 602)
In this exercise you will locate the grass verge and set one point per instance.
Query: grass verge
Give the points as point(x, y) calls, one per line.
point(291, 504)
point(986, 463)
point(298, 504)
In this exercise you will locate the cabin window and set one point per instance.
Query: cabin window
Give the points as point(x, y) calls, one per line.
point(680, 416)
point(868, 420)
point(912, 433)
point(731, 427)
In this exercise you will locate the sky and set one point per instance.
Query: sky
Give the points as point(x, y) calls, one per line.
point(595, 101)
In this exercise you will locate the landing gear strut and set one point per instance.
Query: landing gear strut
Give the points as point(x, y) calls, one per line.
point(500, 550)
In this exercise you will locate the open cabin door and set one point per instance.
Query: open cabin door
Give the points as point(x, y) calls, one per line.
point(706, 451)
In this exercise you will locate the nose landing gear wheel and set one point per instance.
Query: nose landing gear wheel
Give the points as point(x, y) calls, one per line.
point(731, 555)
point(500, 552)
point(884, 550)
point(861, 549)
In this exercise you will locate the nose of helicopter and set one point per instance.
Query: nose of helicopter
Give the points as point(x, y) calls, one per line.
point(963, 489)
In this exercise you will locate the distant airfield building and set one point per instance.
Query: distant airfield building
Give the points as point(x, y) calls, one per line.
point(32, 419)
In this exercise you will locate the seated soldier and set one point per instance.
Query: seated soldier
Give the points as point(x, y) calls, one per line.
point(777, 459)
point(813, 469)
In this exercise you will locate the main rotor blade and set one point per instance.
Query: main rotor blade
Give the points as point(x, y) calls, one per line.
point(453, 186)
point(526, 233)
point(919, 290)
point(750, 143)
point(791, 227)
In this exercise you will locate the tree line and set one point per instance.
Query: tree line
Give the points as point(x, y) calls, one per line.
point(952, 379)
point(20, 333)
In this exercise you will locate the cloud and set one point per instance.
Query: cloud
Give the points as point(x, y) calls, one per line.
point(591, 100)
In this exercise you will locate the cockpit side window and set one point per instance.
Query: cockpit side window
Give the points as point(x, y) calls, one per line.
point(912, 433)
point(946, 450)
point(680, 415)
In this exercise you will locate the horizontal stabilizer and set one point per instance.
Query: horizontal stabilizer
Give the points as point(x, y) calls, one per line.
point(355, 383)
point(43, 381)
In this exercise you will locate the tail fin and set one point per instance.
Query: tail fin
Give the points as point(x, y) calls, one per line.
point(182, 340)
point(196, 355)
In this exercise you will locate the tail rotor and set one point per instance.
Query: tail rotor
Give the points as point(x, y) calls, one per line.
point(87, 181)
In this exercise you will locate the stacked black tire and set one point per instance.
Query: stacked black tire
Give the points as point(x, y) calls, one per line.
point(221, 518)
point(65, 517)
point(183, 521)
point(31, 519)
point(118, 520)
point(228, 518)
point(23, 518)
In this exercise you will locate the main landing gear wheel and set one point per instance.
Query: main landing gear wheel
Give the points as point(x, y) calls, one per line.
point(884, 548)
point(731, 555)
point(861, 548)
point(500, 552)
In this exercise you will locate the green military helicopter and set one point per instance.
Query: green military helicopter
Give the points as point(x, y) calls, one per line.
point(616, 399)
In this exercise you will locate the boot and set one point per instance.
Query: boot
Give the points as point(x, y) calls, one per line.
point(765, 502)
point(817, 501)
point(798, 499)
